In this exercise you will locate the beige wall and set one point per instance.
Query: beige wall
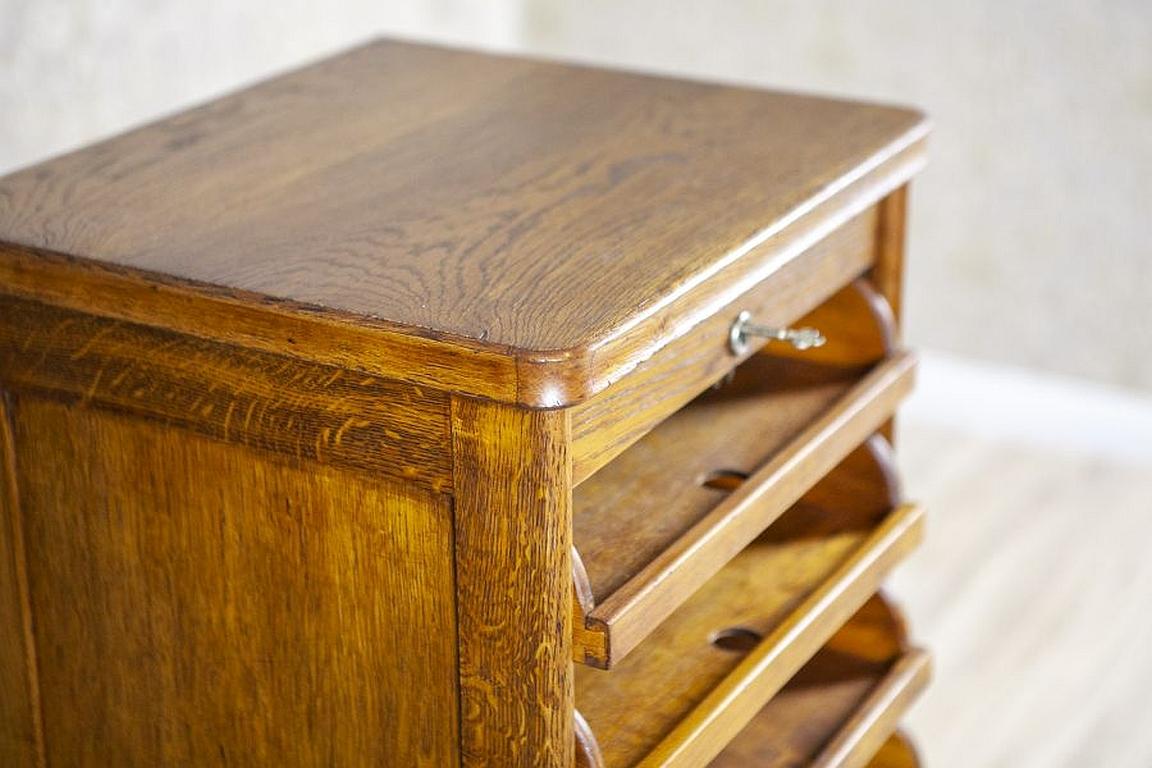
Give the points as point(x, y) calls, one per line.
point(1032, 230)
point(75, 70)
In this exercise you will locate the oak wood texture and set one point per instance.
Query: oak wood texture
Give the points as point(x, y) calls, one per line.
point(519, 230)
point(513, 542)
point(342, 413)
point(841, 707)
point(649, 530)
point(608, 423)
point(678, 699)
point(195, 603)
point(271, 402)
point(21, 742)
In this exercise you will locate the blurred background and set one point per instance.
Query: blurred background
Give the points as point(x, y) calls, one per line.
point(1030, 283)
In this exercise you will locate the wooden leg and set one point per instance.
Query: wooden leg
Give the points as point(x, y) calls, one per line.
point(514, 584)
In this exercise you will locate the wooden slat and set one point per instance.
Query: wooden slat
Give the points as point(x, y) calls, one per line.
point(649, 534)
point(871, 724)
point(679, 699)
point(718, 718)
point(841, 707)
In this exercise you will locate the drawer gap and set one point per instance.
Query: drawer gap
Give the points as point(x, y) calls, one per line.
point(680, 694)
point(657, 522)
point(842, 706)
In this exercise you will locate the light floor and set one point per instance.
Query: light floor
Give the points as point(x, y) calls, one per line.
point(1033, 590)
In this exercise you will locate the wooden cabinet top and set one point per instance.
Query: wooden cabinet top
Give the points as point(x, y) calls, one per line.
point(532, 228)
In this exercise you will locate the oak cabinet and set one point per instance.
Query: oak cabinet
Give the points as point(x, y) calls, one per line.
point(428, 407)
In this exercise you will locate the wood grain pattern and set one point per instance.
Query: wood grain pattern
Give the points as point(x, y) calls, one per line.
point(649, 534)
point(513, 546)
point(842, 705)
point(633, 509)
point(366, 345)
point(21, 736)
point(303, 382)
point(608, 423)
point(679, 699)
point(426, 192)
point(197, 603)
point(252, 398)
point(716, 719)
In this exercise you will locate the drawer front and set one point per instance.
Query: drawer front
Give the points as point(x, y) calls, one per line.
point(605, 425)
point(841, 708)
point(708, 670)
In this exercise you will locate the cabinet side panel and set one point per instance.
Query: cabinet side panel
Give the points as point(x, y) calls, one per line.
point(196, 602)
point(19, 709)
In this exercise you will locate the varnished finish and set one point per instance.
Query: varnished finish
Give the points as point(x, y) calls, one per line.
point(649, 532)
point(677, 700)
point(514, 581)
point(431, 193)
point(271, 402)
point(841, 707)
point(194, 603)
point(342, 413)
point(607, 424)
point(253, 322)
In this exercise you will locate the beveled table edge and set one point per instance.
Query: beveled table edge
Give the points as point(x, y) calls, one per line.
point(531, 378)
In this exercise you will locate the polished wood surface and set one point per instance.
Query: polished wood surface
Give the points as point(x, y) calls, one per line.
point(513, 542)
point(608, 423)
point(678, 698)
point(650, 529)
point(841, 707)
point(195, 603)
point(271, 402)
point(252, 322)
point(428, 193)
